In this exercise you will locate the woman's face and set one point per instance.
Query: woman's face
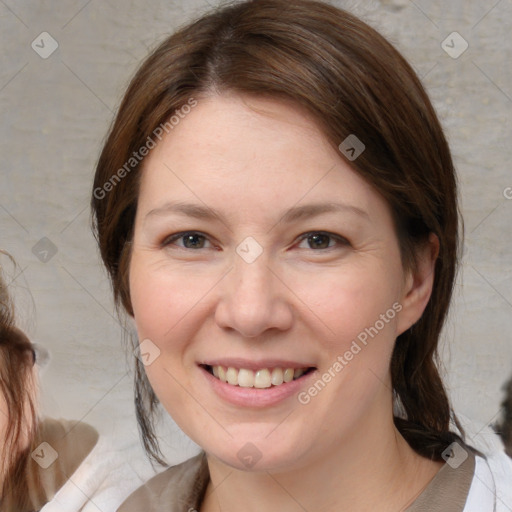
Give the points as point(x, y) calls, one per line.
point(258, 249)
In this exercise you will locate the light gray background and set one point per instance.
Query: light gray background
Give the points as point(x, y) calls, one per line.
point(56, 111)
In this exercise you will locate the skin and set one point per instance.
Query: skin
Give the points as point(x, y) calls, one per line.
point(252, 159)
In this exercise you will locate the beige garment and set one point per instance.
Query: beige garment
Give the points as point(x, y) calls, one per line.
point(448, 490)
point(71, 442)
point(181, 488)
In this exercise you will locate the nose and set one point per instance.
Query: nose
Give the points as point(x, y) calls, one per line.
point(253, 299)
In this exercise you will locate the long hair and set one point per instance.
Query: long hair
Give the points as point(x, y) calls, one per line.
point(17, 393)
point(353, 81)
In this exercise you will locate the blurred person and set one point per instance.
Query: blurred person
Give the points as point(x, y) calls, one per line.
point(54, 465)
point(504, 427)
point(18, 413)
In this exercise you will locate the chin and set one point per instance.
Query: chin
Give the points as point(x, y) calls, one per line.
point(258, 455)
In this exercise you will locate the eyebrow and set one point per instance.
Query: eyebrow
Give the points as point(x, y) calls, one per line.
point(294, 214)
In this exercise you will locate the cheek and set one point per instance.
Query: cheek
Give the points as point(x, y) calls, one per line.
point(159, 300)
point(350, 302)
point(162, 297)
point(362, 309)
point(167, 305)
point(357, 308)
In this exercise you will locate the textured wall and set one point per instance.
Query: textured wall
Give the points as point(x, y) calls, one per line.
point(55, 112)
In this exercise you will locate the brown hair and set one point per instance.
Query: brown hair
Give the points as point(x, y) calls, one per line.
point(17, 358)
point(353, 82)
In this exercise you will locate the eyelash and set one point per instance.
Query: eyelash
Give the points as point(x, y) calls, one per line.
point(341, 241)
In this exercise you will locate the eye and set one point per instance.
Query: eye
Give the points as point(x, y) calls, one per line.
point(189, 240)
point(322, 240)
point(316, 240)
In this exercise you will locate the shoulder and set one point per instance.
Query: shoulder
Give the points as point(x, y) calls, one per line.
point(60, 448)
point(68, 433)
point(500, 465)
point(113, 469)
point(70, 442)
point(179, 487)
point(491, 488)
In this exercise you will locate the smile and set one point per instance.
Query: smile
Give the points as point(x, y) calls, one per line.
point(261, 379)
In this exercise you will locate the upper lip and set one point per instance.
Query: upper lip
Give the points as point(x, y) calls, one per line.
point(251, 364)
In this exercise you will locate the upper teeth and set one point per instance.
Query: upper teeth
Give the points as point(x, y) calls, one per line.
point(263, 378)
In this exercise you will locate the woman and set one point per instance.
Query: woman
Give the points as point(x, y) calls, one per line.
point(48, 464)
point(276, 206)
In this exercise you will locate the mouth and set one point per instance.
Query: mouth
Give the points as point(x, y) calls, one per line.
point(263, 378)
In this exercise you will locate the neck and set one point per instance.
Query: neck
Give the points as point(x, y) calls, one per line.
point(377, 471)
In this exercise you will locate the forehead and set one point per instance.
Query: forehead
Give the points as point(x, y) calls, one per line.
point(250, 154)
point(231, 129)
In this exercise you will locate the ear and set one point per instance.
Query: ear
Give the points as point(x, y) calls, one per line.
point(418, 284)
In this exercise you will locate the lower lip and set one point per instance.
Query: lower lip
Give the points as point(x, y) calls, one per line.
point(255, 397)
